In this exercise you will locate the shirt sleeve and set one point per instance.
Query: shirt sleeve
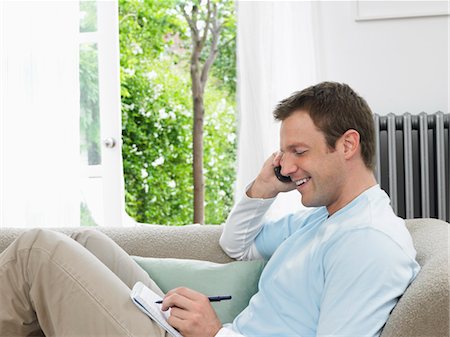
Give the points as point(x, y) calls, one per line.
point(364, 276)
point(274, 233)
point(227, 332)
point(247, 237)
point(242, 226)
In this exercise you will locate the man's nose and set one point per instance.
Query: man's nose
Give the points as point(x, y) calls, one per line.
point(288, 167)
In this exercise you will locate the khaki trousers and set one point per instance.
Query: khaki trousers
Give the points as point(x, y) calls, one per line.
point(53, 285)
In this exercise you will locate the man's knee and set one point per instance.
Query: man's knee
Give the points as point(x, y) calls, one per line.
point(36, 239)
point(34, 232)
point(85, 236)
point(31, 236)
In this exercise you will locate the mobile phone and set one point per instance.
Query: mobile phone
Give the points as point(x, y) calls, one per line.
point(282, 178)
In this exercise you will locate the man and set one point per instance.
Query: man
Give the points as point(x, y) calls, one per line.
point(337, 269)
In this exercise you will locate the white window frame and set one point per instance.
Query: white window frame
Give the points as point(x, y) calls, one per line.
point(111, 168)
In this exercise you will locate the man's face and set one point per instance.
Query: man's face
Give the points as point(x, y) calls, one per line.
point(317, 170)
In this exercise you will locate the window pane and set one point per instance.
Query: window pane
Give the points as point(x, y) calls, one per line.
point(91, 203)
point(89, 105)
point(88, 16)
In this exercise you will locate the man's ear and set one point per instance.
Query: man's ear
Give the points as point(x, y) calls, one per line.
point(350, 143)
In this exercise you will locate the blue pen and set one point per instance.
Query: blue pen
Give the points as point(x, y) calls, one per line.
point(211, 299)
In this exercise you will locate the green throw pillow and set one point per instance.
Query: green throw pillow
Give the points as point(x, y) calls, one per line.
point(238, 279)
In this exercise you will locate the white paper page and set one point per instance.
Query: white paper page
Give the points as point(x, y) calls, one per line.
point(145, 300)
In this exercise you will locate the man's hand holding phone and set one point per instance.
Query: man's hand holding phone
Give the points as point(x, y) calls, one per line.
point(266, 184)
point(280, 177)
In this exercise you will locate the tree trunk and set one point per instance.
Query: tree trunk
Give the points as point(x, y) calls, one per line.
point(197, 137)
point(199, 184)
point(199, 76)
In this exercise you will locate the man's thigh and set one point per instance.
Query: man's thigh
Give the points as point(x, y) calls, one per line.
point(115, 258)
point(70, 291)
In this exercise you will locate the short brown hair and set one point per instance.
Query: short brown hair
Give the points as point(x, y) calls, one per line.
point(334, 108)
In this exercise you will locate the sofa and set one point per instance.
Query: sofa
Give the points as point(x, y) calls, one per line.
point(422, 311)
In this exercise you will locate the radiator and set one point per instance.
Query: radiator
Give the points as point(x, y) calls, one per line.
point(412, 163)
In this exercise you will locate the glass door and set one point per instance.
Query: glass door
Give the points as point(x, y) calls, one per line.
point(101, 188)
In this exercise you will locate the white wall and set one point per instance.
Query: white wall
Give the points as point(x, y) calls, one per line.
point(399, 64)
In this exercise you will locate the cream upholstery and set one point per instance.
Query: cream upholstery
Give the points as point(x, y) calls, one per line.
point(422, 311)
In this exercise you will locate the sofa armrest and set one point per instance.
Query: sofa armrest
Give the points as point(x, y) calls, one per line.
point(423, 310)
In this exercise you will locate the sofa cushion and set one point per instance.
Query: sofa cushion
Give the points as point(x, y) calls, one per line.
point(238, 279)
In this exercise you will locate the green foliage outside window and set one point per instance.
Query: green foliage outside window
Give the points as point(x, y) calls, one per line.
point(157, 116)
point(89, 109)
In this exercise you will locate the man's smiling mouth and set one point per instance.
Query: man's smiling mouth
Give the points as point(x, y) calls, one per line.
point(302, 181)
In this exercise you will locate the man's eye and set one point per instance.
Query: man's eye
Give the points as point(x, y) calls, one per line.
point(299, 153)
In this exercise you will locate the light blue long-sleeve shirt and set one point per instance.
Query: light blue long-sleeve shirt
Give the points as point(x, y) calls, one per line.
point(336, 276)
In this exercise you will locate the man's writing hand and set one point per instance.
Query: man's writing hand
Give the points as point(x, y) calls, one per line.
point(266, 184)
point(191, 313)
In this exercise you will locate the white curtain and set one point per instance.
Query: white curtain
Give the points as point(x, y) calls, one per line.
point(276, 56)
point(39, 152)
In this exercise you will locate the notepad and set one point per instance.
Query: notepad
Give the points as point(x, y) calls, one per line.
point(145, 299)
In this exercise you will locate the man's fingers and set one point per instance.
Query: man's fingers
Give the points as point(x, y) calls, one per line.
point(277, 158)
point(184, 298)
point(186, 292)
point(176, 300)
point(179, 313)
point(191, 313)
point(177, 322)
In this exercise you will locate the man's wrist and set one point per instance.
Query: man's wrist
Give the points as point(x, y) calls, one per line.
point(258, 190)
